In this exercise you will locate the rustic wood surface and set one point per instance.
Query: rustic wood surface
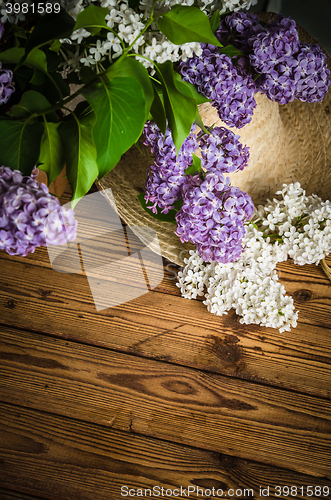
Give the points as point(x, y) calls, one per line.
point(157, 392)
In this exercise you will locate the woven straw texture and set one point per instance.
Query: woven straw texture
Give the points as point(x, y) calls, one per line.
point(287, 143)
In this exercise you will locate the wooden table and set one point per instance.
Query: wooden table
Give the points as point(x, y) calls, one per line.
point(157, 392)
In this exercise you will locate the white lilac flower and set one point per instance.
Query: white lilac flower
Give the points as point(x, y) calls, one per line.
point(79, 35)
point(74, 8)
point(129, 24)
point(113, 43)
point(98, 51)
point(88, 61)
point(113, 17)
point(296, 226)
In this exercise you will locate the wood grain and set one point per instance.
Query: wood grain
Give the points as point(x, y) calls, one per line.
point(58, 458)
point(156, 399)
point(6, 494)
point(177, 330)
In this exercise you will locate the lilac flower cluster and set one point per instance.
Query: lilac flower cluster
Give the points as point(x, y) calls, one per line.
point(221, 151)
point(239, 30)
point(6, 77)
point(228, 86)
point(163, 187)
point(212, 216)
point(6, 87)
point(30, 216)
point(311, 75)
point(286, 68)
point(213, 213)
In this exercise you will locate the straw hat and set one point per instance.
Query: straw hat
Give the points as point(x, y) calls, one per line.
point(288, 143)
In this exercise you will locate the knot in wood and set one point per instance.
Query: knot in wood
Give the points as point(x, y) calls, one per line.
point(11, 304)
point(303, 295)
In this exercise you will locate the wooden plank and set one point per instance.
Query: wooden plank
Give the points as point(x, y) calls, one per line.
point(302, 282)
point(57, 458)
point(174, 329)
point(156, 399)
point(6, 494)
point(111, 243)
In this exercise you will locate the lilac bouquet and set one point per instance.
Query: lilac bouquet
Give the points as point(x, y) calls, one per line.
point(208, 211)
point(270, 58)
point(30, 216)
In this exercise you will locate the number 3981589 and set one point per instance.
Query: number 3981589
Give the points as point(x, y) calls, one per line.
point(33, 8)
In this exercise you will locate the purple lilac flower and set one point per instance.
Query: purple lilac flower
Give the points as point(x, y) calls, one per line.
point(212, 216)
point(6, 87)
point(167, 174)
point(311, 74)
point(221, 151)
point(285, 68)
point(239, 30)
point(275, 44)
point(289, 69)
point(30, 216)
point(229, 87)
point(213, 213)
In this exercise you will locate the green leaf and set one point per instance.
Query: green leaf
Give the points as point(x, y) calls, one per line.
point(158, 112)
point(31, 102)
point(53, 60)
point(12, 56)
point(23, 77)
point(132, 68)
point(183, 24)
point(50, 27)
point(35, 59)
point(82, 109)
point(80, 155)
point(19, 31)
point(20, 145)
point(180, 109)
point(215, 21)
point(198, 121)
point(56, 45)
point(231, 51)
point(92, 19)
point(189, 89)
point(196, 167)
point(51, 158)
point(169, 217)
point(87, 74)
point(49, 91)
point(119, 105)
point(38, 77)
